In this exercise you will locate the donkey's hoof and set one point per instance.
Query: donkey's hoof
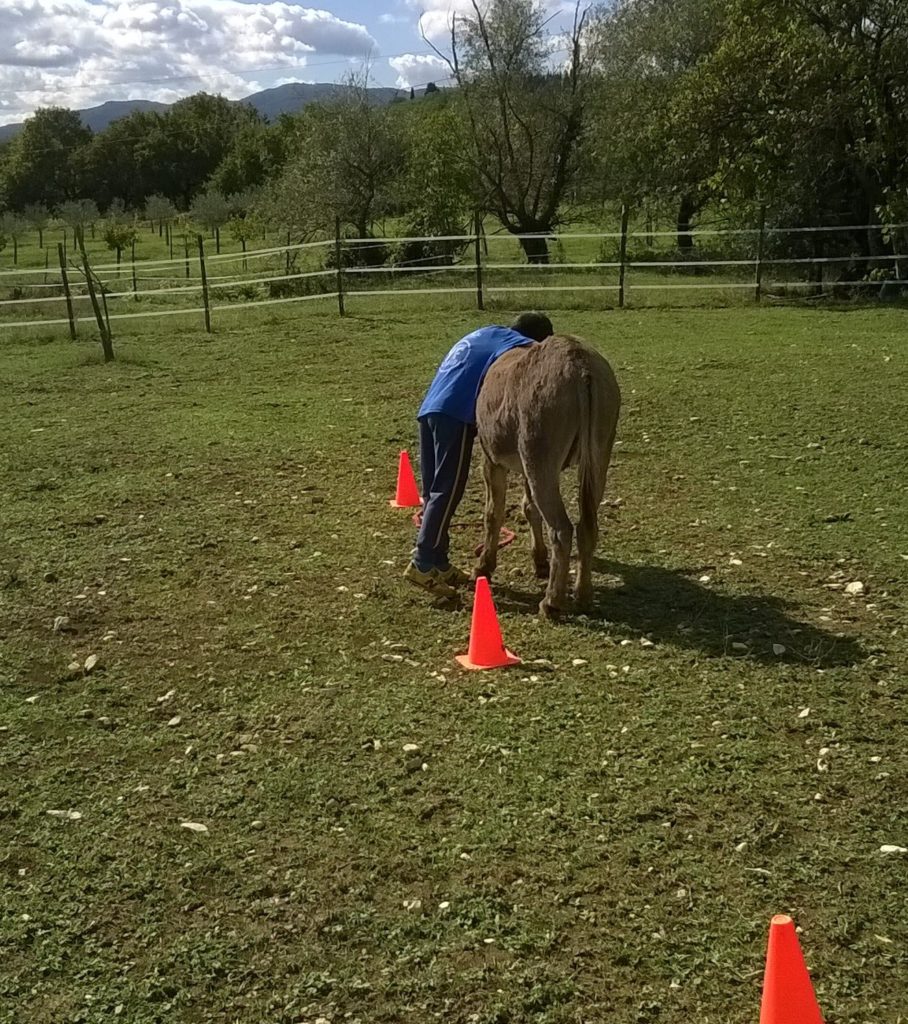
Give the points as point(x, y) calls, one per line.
point(542, 570)
point(548, 612)
point(583, 600)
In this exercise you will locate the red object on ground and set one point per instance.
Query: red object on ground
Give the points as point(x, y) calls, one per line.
point(487, 649)
point(788, 996)
point(407, 495)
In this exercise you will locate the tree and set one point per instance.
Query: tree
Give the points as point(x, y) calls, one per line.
point(646, 144)
point(200, 132)
point(212, 210)
point(345, 158)
point(256, 152)
point(524, 112)
point(78, 213)
point(44, 162)
point(129, 160)
point(119, 235)
point(159, 209)
point(13, 227)
point(433, 191)
point(37, 216)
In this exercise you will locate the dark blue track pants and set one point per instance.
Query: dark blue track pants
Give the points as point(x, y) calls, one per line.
point(445, 448)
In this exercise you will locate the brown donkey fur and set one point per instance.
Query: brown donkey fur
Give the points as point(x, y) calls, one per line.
point(542, 408)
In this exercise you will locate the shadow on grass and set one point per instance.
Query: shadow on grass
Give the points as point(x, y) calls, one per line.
point(669, 607)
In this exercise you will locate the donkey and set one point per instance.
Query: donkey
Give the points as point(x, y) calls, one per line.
point(542, 408)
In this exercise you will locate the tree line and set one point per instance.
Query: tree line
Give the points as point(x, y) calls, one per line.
point(678, 106)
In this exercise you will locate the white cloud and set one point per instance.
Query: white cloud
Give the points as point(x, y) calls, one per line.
point(435, 15)
point(394, 19)
point(77, 53)
point(417, 69)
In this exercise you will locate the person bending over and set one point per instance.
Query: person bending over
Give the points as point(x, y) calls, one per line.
point(447, 428)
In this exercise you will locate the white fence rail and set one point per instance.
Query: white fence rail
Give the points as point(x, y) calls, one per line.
point(484, 271)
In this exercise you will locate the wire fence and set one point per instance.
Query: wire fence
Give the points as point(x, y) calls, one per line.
point(770, 263)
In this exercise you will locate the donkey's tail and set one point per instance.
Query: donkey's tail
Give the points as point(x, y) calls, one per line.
point(589, 468)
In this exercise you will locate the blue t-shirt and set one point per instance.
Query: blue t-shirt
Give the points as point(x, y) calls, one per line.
point(456, 385)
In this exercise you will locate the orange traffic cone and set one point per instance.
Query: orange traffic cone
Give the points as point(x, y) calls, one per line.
point(407, 495)
point(487, 649)
point(788, 996)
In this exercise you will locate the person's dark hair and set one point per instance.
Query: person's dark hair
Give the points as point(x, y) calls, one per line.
point(533, 325)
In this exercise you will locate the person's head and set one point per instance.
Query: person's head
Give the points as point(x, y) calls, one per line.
point(535, 326)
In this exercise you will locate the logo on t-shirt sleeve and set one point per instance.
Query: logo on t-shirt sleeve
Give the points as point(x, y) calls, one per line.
point(456, 357)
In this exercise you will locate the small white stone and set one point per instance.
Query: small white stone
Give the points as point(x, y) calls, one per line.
point(410, 748)
point(889, 848)
point(704, 579)
point(444, 905)
point(735, 561)
point(804, 713)
point(778, 649)
point(90, 662)
point(194, 826)
point(855, 589)
point(579, 662)
point(741, 847)
point(175, 720)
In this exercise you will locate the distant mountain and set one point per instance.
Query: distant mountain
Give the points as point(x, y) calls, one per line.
point(270, 103)
point(289, 98)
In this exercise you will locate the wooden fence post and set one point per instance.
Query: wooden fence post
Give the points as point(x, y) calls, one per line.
point(204, 277)
point(135, 286)
point(477, 222)
point(103, 322)
point(186, 253)
point(69, 299)
point(338, 256)
point(287, 254)
point(761, 241)
point(622, 257)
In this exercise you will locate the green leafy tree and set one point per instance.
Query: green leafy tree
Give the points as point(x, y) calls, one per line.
point(524, 108)
point(129, 160)
point(118, 235)
point(646, 145)
point(433, 190)
point(159, 210)
point(344, 160)
point(44, 161)
point(211, 210)
point(14, 228)
point(37, 216)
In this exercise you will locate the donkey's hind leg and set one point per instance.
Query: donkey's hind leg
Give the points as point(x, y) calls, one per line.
point(496, 481)
point(544, 488)
point(540, 551)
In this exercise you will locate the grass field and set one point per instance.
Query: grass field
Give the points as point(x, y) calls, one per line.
point(598, 836)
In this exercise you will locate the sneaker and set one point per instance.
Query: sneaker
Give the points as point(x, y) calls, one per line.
point(429, 581)
point(453, 576)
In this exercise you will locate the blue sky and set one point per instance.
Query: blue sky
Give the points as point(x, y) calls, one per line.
point(78, 53)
